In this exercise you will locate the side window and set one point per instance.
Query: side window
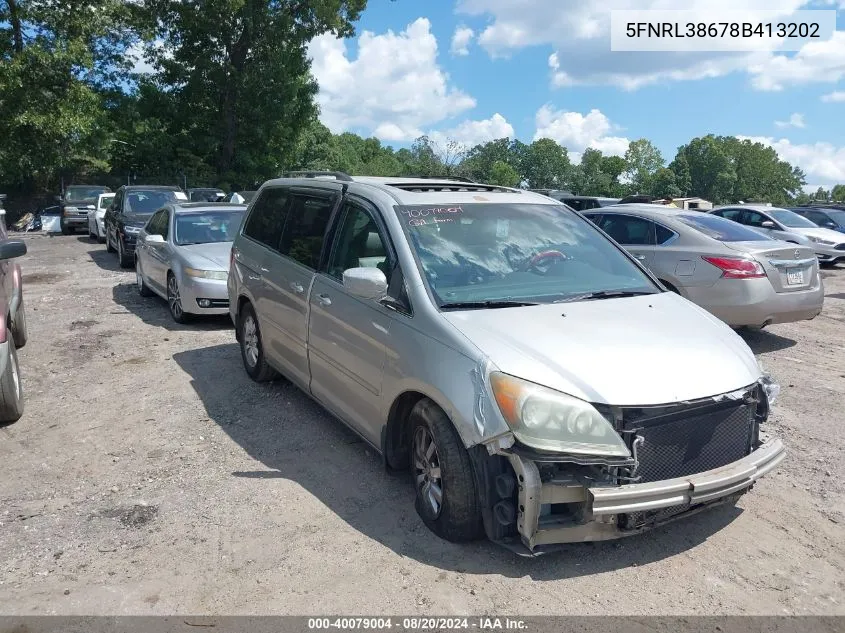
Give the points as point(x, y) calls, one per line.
point(629, 230)
point(663, 234)
point(731, 214)
point(154, 224)
point(164, 223)
point(818, 217)
point(595, 218)
point(752, 218)
point(267, 218)
point(302, 239)
point(358, 243)
point(117, 203)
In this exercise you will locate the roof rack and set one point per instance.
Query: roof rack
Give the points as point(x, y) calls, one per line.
point(308, 173)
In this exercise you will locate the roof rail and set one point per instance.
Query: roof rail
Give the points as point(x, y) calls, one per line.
point(309, 173)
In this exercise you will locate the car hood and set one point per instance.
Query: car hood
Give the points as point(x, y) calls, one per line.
point(214, 256)
point(134, 219)
point(653, 349)
point(822, 233)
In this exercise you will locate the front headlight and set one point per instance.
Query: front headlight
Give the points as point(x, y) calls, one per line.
point(818, 240)
point(206, 274)
point(131, 230)
point(550, 420)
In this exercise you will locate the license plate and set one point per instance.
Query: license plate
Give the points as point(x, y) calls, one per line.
point(794, 277)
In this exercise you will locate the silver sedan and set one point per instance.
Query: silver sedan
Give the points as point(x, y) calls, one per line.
point(183, 256)
point(740, 275)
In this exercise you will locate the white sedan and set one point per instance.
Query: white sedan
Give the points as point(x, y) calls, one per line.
point(96, 227)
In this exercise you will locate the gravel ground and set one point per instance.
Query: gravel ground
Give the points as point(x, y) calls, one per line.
point(149, 475)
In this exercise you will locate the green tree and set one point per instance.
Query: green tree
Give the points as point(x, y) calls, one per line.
point(711, 170)
point(821, 194)
point(503, 174)
point(838, 193)
point(664, 184)
point(479, 160)
point(642, 160)
point(545, 165)
point(680, 167)
point(237, 73)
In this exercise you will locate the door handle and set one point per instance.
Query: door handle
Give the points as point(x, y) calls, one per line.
point(265, 270)
point(297, 287)
point(324, 300)
point(640, 257)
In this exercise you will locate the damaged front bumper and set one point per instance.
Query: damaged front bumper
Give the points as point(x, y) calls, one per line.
point(598, 509)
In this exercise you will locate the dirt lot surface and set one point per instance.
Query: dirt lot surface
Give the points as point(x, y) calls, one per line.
point(149, 475)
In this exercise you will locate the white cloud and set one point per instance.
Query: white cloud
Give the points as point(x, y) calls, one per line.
point(795, 120)
point(393, 89)
point(816, 62)
point(460, 40)
point(822, 162)
point(471, 133)
point(837, 96)
point(579, 33)
point(578, 131)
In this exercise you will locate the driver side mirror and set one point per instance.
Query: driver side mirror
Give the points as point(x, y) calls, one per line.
point(153, 238)
point(768, 224)
point(830, 225)
point(366, 283)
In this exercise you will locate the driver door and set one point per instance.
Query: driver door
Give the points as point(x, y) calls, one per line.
point(349, 337)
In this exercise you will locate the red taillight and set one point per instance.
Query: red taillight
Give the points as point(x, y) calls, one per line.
point(736, 268)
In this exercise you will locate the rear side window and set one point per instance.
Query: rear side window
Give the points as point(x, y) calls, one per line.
point(730, 214)
point(267, 218)
point(628, 230)
point(302, 239)
point(722, 229)
point(663, 234)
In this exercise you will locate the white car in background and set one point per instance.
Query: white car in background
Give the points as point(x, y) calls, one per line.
point(96, 227)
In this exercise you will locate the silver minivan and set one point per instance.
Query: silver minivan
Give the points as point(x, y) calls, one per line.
point(539, 384)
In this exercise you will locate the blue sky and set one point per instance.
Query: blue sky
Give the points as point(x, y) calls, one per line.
point(472, 70)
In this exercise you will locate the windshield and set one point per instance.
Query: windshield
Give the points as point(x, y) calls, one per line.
point(514, 252)
point(722, 229)
point(791, 219)
point(76, 194)
point(143, 202)
point(204, 228)
point(105, 201)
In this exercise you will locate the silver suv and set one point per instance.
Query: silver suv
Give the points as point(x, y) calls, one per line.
point(541, 386)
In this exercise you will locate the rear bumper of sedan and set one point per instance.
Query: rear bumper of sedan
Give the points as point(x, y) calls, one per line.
point(603, 506)
point(204, 296)
point(754, 302)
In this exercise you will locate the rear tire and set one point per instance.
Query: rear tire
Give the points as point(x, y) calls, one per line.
point(252, 347)
point(11, 389)
point(20, 332)
point(446, 497)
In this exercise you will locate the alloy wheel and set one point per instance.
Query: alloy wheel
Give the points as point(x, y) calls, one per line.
point(250, 338)
point(427, 470)
point(173, 298)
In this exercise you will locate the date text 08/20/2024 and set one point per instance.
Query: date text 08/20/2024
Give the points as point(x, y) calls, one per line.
point(484, 623)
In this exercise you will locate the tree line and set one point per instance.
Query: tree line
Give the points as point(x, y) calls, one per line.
point(229, 100)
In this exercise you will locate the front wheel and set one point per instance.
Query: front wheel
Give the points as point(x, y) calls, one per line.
point(123, 258)
point(174, 301)
point(65, 228)
point(143, 288)
point(109, 247)
point(11, 390)
point(446, 496)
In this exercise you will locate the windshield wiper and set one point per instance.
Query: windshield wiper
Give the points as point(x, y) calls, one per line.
point(605, 294)
point(480, 305)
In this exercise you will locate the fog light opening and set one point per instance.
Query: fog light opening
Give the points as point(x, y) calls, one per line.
point(204, 303)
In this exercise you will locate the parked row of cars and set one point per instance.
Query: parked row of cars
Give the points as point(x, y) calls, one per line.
point(545, 376)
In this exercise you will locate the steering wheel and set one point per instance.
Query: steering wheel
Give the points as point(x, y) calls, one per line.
point(545, 258)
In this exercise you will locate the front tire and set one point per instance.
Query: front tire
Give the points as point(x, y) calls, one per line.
point(446, 497)
point(143, 288)
point(122, 257)
point(252, 348)
point(109, 247)
point(65, 228)
point(11, 389)
point(174, 300)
